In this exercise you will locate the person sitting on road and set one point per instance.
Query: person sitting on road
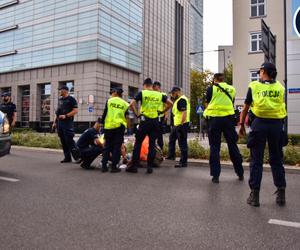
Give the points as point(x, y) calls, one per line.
point(89, 145)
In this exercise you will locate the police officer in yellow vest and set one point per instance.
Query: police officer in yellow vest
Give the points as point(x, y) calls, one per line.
point(114, 120)
point(219, 112)
point(150, 110)
point(162, 116)
point(265, 98)
point(181, 117)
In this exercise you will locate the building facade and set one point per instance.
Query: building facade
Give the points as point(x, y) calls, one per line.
point(90, 46)
point(248, 54)
point(196, 34)
point(224, 56)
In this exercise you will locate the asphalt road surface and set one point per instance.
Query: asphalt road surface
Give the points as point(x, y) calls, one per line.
point(48, 205)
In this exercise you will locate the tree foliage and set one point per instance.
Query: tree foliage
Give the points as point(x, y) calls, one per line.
point(228, 73)
point(199, 83)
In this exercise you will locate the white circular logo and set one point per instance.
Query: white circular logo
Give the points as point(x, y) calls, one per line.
point(296, 22)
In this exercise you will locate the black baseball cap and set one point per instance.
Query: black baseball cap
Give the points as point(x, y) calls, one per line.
point(64, 87)
point(117, 90)
point(269, 67)
point(175, 89)
point(5, 94)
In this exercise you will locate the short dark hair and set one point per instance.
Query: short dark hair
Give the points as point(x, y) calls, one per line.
point(219, 77)
point(157, 83)
point(148, 81)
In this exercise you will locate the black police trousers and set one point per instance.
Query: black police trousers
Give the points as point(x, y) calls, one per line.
point(172, 143)
point(262, 131)
point(66, 134)
point(182, 134)
point(113, 142)
point(160, 136)
point(89, 154)
point(148, 127)
point(217, 126)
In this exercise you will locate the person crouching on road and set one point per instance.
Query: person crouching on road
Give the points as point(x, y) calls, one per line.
point(151, 102)
point(219, 112)
point(181, 117)
point(265, 99)
point(89, 145)
point(115, 123)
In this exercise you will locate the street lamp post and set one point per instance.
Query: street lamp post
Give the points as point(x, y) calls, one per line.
point(216, 50)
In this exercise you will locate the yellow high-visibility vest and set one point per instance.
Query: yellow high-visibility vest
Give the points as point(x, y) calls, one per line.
point(178, 114)
point(116, 109)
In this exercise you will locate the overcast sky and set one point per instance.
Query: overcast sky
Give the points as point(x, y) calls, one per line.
point(217, 29)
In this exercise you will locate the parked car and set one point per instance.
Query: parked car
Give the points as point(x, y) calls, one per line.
point(5, 139)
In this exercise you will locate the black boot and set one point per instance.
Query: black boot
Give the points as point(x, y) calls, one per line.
point(253, 198)
point(215, 179)
point(114, 169)
point(280, 198)
point(104, 169)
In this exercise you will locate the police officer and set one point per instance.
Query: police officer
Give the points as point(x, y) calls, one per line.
point(9, 108)
point(66, 110)
point(151, 102)
point(181, 114)
point(172, 138)
point(265, 98)
point(89, 145)
point(219, 112)
point(161, 117)
point(115, 123)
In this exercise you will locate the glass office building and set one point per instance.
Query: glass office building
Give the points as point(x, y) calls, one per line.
point(42, 33)
point(90, 46)
point(196, 34)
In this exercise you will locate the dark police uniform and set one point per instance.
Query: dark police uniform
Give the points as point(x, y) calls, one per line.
point(114, 120)
point(9, 109)
point(149, 125)
point(266, 100)
point(219, 113)
point(180, 105)
point(65, 128)
point(172, 139)
point(89, 151)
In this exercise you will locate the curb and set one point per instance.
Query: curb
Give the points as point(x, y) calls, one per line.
point(192, 162)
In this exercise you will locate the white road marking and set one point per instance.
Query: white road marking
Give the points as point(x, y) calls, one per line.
point(284, 223)
point(8, 179)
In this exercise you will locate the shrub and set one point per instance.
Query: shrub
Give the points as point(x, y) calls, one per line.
point(291, 155)
point(294, 139)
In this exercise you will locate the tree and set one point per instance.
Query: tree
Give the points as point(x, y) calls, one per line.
point(228, 73)
point(199, 83)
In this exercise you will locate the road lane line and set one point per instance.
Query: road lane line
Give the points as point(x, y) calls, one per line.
point(284, 223)
point(8, 179)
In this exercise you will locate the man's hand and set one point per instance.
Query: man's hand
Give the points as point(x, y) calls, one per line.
point(53, 125)
point(62, 117)
point(242, 131)
point(13, 124)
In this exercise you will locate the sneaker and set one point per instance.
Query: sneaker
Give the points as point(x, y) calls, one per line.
point(149, 171)
point(104, 169)
point(215, 179)
point(241, 177)
point(280, 198)
point(253, 199)
point(180, 165)
point(115, 170)
point(86, 166)
point(65, 160)
point(131, 170)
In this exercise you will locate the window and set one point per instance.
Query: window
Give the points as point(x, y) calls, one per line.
point(255, 42)
point(25, 106)
point(254, 76)
point(258, 8)
point(45, 105)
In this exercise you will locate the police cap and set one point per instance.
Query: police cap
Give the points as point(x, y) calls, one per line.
point(268, 67)
point(64, 87)
point(175, 89)
point(148, 81)
point(117, 90)
point(157, 83)
point(5, 94)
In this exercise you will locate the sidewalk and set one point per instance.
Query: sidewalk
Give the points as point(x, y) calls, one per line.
point(191, 162)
